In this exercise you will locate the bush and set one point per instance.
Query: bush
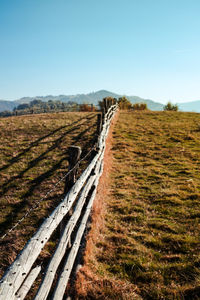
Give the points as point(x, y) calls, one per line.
point(23, 106)
point(139, 106)
point(6, 113)
point(87, 107)
point(124, 103)
point(171, 107)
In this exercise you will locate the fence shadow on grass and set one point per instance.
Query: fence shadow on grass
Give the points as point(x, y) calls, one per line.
point(42, 156)
point(36, 142)
point(17, 209)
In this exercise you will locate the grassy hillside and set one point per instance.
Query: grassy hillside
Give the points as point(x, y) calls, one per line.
point(33, 158)
point(149, 245)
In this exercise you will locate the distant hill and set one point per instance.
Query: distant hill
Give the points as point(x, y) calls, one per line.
point(79, 98)
point(190, 106)
point(150, 103)
point(7, 105)
point(94, 98)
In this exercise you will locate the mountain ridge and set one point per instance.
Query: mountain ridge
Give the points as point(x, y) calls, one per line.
point(193, 106)
point(94, 97)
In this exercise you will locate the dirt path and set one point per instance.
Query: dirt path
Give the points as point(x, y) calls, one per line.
point(85, 275)
point(90, 284)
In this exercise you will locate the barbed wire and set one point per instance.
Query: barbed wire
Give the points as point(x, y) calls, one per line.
point(36, 205)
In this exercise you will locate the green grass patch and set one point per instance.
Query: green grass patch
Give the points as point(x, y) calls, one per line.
point(152, 224)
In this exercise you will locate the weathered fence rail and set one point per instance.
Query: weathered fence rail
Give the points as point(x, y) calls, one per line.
point(19, 278)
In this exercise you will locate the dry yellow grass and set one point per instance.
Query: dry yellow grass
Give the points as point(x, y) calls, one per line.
point(149, 245)
point(33, 158)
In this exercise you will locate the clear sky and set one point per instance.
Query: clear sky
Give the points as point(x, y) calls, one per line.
point(148, 48)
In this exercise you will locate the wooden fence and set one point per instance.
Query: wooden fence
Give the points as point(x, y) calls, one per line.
point(19, 278)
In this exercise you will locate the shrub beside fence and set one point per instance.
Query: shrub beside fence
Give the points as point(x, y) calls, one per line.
point(19, 278)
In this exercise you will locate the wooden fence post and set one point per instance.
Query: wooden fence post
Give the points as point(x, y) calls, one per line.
point(74, 155)
point(105, 102)
point(99, 123)
point(103, 114)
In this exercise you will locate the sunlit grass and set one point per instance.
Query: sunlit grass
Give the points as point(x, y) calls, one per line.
point(33, 158)
point(151, 238)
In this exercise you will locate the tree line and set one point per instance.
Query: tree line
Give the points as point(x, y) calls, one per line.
point(38, 106)
point(125, 104)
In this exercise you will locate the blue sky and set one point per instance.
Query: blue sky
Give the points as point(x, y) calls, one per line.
point(148, 48)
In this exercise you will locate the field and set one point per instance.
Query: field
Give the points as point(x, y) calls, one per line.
point(33, 158)
point(148, 245)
